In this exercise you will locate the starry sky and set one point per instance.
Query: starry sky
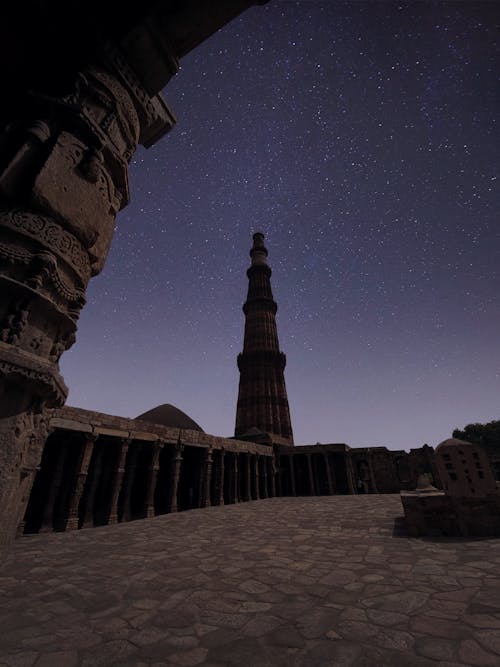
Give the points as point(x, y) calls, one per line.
point(361, 138)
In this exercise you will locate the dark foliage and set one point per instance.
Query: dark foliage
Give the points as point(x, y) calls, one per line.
point(487, 435)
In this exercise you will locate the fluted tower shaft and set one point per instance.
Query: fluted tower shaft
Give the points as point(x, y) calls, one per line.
point(262, 398)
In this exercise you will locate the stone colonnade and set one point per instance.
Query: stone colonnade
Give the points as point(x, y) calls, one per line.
point(102, 477)
point(99, 469)
point(314, 471)
point(91, 479)
point(336, 468)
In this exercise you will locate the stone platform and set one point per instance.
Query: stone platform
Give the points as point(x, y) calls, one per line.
point(284, 582)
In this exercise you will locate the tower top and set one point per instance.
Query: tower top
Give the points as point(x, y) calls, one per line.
point(258, 252)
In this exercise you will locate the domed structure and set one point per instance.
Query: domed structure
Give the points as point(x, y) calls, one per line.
point(453, 442)
point(169, 415)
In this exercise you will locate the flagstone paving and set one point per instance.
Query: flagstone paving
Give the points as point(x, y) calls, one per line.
point(284, 582)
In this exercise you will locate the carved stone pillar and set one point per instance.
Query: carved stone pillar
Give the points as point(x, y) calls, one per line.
point(63, 177)
point(276, 471)
point(222, 473)
point(248, 478)
point(152, 477)
point(174, 477)
point(71, 521)
point(72, 114)
point(328, 473)
point(256, 476)
point(93, 481)
point(312, 486)
point(30, 434)
point(236, 480)
point(128, 483)
point(350, 474)
point(64, 154)
point(56, 480)
point(263, 464)
point(117, 481)
point(207, 479)
point(372, 475)
point(333, 474)
point(292, 474)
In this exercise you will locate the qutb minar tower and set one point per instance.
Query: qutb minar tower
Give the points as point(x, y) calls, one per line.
point(262, 398)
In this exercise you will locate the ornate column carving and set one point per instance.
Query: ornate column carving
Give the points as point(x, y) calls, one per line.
point(152, 477)
point(29, 433)
point(71, 521)
point(175, 473)
point(312, 486)
point(66, 139)
point(48, 523)
point(63, 178)
point(72, 114)
point(117, 482)
point(328, 473)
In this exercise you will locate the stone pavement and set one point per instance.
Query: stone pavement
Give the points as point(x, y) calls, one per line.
point(284, 582)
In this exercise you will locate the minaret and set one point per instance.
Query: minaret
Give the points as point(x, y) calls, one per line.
point(262, 399)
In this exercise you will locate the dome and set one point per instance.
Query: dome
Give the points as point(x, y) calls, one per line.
point(454, 442)
point(169, 415)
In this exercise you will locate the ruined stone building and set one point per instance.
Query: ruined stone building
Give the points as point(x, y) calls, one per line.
point(81, 90)
point(98, 469)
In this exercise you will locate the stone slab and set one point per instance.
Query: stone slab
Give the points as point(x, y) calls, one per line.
point(71, 425)
point(282, 581)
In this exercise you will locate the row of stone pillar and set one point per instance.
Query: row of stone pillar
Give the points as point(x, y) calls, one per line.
point(239, 477)
point(289, 475)
point(102, 482)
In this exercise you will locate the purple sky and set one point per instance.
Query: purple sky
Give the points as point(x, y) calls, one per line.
point(361, 138)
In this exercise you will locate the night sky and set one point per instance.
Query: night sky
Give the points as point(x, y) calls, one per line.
point(361, 138)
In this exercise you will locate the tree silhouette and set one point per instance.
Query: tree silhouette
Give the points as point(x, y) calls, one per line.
point(487, 435)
